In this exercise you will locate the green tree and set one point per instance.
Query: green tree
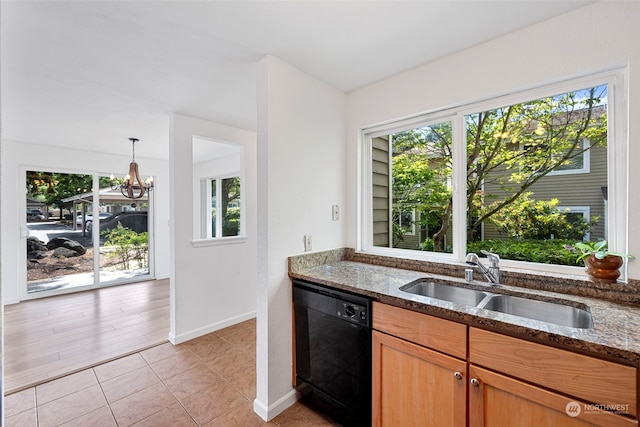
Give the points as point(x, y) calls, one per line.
point(230, 215)
point(511, 148)
point(516, 146)
point(531, 219)
point(52, 187)
point(420, 173)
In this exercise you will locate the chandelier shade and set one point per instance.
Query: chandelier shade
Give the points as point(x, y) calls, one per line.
point(133, 187)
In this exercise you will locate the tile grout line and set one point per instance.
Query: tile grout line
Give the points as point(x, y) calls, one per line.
point(203, 362)
point(99, 383)
point(241, 349)
point(105, 396)
point(75, 371)
point(170, 391)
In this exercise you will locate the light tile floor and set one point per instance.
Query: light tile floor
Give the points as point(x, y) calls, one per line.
point(208, 381)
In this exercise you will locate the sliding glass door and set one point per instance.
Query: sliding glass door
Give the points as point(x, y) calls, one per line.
point(123, 238)
point(78, 238)
point(59, 255)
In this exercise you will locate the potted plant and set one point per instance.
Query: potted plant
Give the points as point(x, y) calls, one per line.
point(601, 263)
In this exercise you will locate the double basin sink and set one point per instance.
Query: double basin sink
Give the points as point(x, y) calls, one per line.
point(545, 311)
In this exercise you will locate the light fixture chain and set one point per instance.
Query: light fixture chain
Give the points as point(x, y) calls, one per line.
point(133, 147)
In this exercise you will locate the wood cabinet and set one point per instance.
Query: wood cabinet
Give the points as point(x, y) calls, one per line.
point(422, 376)
point(439, 334)
point(498, 400)
point(588, 378)
point(414, 385)
point(514, 379)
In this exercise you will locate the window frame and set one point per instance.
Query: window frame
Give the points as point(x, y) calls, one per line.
point(411, 231)
point(586, 164)
point(617, 177)
point(584, 210)
point(205, 214)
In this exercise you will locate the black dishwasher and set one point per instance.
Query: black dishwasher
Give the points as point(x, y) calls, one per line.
point(333, 351)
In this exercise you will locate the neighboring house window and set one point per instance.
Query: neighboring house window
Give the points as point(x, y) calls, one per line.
point(577, 164)
point(221, 212)
point(406, 221)
point(577, 213)
point(470, 170)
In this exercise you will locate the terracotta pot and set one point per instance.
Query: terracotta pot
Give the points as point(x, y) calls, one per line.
point(603, 270)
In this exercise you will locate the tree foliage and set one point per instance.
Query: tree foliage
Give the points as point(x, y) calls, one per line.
point(127, 246)
point(420, 173)
point(230, 215)
point(541, 251)
point(508, 149)
point(526, 218)
point(52, 187)
point(516, 146)
point(229, 209)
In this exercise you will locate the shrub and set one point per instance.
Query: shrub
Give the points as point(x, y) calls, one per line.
point(550, 251)
point(128, 245)
point(427, 245)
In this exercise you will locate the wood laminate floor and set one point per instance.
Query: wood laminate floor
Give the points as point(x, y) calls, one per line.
point(52, 337)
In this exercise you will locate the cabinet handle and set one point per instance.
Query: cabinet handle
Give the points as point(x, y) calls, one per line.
point(457, 375)
point(475, 382)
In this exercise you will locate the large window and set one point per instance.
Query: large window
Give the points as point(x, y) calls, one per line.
point(495, 176)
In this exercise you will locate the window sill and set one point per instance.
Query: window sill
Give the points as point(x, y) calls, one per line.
point(201, 243)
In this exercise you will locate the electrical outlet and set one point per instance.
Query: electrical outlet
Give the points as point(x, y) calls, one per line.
point(307, 243)
point(335, 212)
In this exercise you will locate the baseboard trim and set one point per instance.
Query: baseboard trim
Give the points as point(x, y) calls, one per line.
point(267, 413)
point(10, 301)
point(195, 333)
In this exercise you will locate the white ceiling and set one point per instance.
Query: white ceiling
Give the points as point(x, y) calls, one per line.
point(91, 74)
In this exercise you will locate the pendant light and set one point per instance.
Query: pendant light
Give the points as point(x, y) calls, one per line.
point(133, 187)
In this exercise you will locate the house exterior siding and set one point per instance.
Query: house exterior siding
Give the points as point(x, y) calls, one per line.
point(563, 187)
point(380, 171)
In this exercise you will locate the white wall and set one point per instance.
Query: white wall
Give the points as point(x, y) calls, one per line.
point(301, 173)
point(211, 286)
point(594, 38)
point(19, 156)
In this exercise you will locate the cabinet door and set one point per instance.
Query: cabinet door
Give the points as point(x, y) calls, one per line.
point(585, 377)
point(496, 400)
point(414, 386)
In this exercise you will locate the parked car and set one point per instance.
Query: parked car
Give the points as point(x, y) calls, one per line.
point(103, 216)
point(136, 221)
point(35, 215)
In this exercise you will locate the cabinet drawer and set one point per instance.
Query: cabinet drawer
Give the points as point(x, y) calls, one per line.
point(588, 378)
point(433, 332)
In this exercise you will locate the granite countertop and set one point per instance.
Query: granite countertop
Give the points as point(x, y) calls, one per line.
point(615, 335)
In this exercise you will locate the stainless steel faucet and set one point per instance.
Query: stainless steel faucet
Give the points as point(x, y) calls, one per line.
point(493, 272)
